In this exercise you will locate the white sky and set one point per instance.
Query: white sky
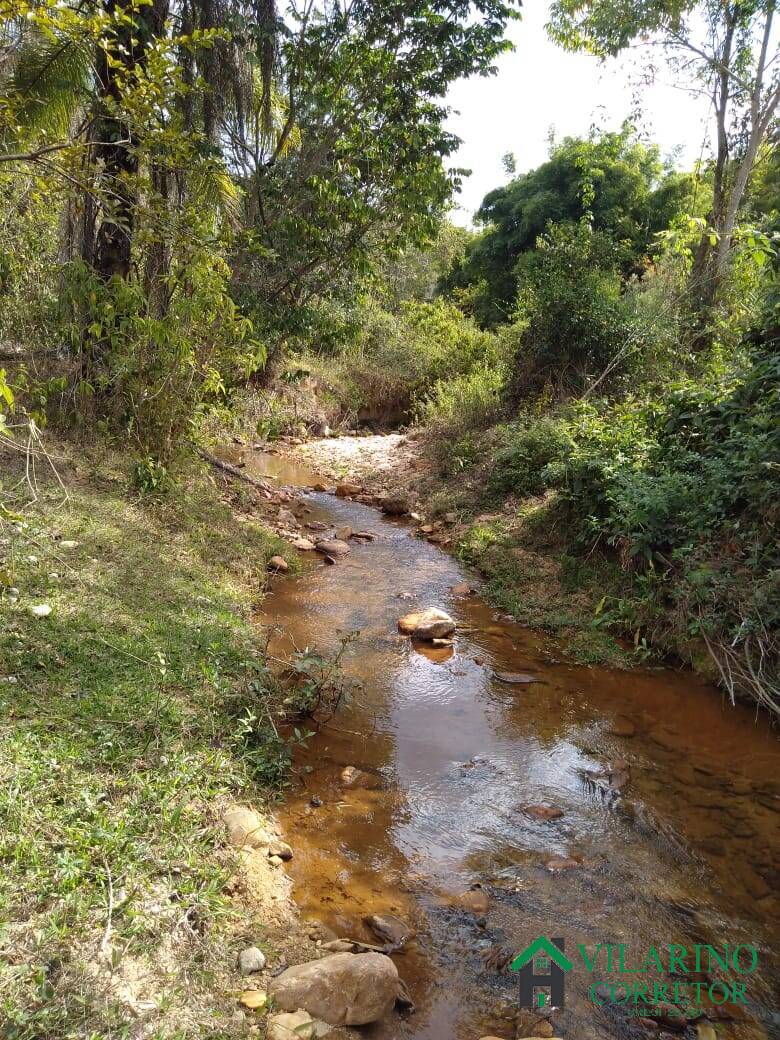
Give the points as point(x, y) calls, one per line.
point(540, 87)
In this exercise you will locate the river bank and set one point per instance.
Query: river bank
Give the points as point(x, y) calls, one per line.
point(130, 673)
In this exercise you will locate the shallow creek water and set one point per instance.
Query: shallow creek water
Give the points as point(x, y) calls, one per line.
point(687, 852)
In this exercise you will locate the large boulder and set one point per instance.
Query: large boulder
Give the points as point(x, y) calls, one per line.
point(344, 989)
point(428, 624)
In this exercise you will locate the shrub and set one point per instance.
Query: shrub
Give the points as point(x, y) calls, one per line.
point(386, 362)
point(525, 451)
point(465, 402)
point(687, 490)
point(578, 330)
point(151, 374)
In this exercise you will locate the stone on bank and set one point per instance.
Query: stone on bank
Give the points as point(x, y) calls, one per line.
point(343, 989)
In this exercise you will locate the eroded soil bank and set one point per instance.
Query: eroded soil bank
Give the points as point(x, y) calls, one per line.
point(669, 798)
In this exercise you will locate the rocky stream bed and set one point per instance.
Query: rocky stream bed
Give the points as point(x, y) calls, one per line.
point(475, 792)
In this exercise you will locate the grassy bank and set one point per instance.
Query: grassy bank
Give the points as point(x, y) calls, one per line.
point(133, 711)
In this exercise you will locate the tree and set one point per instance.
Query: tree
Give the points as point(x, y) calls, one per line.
point(361, 86)
point(615, 181)
point(300, 140)
point(729, 48)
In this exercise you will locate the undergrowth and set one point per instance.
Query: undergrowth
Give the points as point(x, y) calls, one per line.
point(123, 706)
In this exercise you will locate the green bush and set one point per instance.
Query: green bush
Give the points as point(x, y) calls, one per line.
point(152, 374)
point(686, 491)
point(384, 363)
point(526, 449)
point(578, 329)
point(465, 402)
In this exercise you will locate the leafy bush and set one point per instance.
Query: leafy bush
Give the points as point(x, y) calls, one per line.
point(386, 362)
point(463, 403)
point(526, 449)
point(687, 490)
point(578, 329)
point(152, 374)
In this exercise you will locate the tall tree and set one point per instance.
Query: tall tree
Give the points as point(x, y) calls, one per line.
point(730, 48)
point(614, 181)
point(358, 162)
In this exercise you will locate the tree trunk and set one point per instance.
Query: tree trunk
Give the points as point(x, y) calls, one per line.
point(761, 116)
point(702, 284)
point(115, 139)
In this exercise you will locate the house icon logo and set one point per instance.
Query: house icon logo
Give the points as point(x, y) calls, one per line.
point(542, 967)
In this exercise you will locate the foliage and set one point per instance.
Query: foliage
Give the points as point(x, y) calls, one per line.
point(576, 328)
point(382, 363)
point(727, 50)
point(365, 85)
point(266, 152)
point(524, 451)
point(615, 181)
point(684, 490)
point(28, 262)
point(462, 403)
point(320, 685)
point(158, 371)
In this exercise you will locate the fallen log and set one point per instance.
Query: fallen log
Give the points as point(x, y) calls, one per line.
point(234, 471)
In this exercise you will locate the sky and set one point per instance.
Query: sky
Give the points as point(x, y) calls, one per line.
point(540, 88)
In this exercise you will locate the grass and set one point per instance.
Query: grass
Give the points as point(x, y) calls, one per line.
point(131, 713)
point(522, 555)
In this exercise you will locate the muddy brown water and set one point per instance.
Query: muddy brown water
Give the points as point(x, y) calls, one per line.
point(686, 852)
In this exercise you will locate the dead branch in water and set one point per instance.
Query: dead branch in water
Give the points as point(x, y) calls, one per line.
point(234, 471)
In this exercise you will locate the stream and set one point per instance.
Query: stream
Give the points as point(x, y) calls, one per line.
point(683, 849)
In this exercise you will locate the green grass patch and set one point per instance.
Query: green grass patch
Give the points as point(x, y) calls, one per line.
point(130, 713)
point(544, 589)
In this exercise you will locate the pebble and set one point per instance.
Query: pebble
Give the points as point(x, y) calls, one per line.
point(542, 812)
point(475, 900)
point(558, 864)
point(622, 727)
point(40, 610)
point(254, 999)
point(296, 1025)
point(251, 960)
point(280, 849)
